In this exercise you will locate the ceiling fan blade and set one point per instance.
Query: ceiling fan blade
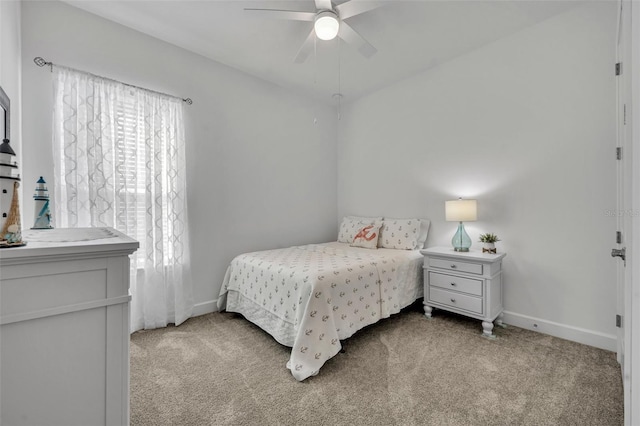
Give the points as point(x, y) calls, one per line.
point(284, 14)
point(323, 5)
point(306, 48)
point(350, 35)
point(356, 7)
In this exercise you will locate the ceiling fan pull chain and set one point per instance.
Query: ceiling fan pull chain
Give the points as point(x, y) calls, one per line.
point(315, 71)
point(339, 78)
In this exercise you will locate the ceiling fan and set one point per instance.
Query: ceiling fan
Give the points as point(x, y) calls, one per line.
point(328, 22)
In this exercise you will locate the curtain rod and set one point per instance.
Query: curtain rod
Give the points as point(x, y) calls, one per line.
point(41, 63)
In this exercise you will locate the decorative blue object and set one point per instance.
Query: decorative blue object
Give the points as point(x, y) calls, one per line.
point(42, 212)
point(461, 240)
point(461, 211)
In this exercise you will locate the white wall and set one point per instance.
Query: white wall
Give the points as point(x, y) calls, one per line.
point(527, 126)
point(10, 66)
point(261, 174)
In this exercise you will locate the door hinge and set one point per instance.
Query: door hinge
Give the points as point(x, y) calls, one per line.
point(618, 153)
point(618, 237)
point(619, 321)
point(619, 68)
point(621, 253)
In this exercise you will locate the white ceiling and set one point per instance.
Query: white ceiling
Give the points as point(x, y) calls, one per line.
point(410, 35)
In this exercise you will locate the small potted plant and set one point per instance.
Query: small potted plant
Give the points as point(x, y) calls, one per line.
point(489, 241)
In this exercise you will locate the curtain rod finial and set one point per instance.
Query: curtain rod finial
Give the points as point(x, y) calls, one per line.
point(41, 62)
point(188, 101)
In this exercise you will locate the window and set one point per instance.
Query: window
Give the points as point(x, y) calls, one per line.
point(121, 164)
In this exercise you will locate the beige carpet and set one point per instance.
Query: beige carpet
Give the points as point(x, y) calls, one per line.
point(219, 369)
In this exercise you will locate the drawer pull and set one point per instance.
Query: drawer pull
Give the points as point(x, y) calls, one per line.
point(453, 300)
point(454, 266)
point(453, 284)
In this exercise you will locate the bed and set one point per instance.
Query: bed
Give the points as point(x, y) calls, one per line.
point(311, 297)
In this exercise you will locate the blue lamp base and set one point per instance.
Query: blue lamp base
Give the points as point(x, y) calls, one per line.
point(461, 241)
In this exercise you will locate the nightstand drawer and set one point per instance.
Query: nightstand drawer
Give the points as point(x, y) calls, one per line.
point(464, 285)
point(456, 300)
point(453, 265)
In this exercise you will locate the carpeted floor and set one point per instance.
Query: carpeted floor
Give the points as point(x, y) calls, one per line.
point(219, 369)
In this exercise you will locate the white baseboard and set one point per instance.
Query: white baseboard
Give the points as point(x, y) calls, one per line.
point(563, 331)
point(205, 308)
point(576, 334)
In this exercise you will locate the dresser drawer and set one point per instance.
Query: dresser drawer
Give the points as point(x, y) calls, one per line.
point(455, 300)
point(454, 265)
point(464, 285)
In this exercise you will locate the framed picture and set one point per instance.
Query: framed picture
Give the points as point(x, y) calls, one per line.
point(5, 120)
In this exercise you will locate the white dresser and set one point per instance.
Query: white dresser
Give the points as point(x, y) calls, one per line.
point(468, 283)
point(64, 328)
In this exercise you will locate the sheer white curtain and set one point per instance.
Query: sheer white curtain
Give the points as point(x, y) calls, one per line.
point(119, 158)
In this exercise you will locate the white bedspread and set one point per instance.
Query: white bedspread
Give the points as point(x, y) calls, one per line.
point(311, 297)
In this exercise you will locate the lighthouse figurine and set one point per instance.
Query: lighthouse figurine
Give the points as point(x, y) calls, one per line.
point(10, 227)
point(42, 212)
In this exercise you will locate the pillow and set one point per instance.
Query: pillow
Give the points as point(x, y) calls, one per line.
point(403, 234)
point(424, 231)
point(367, 236)
point(352, 224)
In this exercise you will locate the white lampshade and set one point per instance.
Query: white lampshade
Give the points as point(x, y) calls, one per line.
point(461, 210)
point(326, 25)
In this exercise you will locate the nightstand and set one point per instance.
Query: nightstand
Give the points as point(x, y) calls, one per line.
point(468, 283)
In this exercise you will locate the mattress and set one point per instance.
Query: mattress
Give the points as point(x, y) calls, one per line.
point(311, 297)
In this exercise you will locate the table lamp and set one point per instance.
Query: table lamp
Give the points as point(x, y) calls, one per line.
point(461, 211)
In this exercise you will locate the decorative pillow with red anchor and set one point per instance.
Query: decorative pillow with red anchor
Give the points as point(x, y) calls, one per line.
point(367, 236)
point(352, 224)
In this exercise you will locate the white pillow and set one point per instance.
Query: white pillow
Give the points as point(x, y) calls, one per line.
point(351, 225)
point(367, 236)
point(403, 234)
point(424, 232)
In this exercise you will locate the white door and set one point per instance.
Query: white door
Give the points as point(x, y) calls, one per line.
point(626, 213)
point(621, 182)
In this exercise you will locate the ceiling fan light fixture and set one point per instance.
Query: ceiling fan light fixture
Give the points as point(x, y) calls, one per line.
point(326, 25)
